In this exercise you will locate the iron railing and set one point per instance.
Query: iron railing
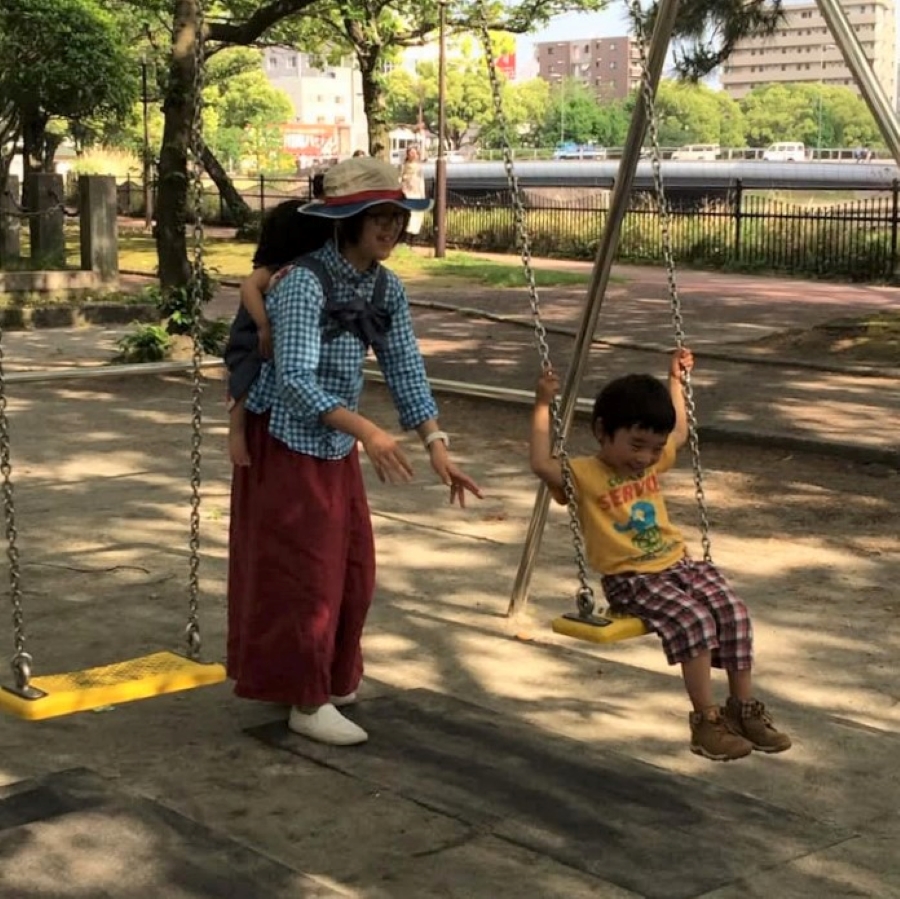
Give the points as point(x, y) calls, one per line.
point(822, 236)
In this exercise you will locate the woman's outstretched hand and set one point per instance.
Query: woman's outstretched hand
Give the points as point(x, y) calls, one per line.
point(452, 476)
point(388, 459)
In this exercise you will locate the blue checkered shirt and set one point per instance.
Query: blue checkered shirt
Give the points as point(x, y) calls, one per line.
point(308, 377)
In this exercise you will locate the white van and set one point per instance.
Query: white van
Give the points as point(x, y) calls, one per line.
point(785, 151)
point(697, 153)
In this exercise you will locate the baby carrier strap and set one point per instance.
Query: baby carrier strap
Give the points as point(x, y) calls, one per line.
point(367, 320)
point(319, 269)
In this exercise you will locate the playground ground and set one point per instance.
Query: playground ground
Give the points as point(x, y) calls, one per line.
point(503, 760)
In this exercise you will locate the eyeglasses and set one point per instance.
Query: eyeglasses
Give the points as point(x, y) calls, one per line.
point(393, 219)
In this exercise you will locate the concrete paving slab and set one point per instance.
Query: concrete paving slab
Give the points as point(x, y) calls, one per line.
point(74, 834)
point(485, 866)
point(866, 866)
point(100, 471)
point(621, 820)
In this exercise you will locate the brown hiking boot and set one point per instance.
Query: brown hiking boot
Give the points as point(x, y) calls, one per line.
point(713, 737)
point(751, 720)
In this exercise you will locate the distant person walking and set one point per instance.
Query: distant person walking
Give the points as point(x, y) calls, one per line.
point(412, 183)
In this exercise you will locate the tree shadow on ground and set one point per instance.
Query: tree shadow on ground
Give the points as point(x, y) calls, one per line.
point(102, 486)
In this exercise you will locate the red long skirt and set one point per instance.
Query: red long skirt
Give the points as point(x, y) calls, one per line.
point(301, 573)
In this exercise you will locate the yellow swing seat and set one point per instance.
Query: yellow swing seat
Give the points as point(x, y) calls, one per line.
point(608, 628)
point(80, 691)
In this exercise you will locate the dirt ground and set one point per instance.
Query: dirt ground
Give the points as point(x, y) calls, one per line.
point(864, 339)
point(101, 480)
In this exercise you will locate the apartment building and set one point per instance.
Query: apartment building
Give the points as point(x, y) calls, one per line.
point(329, 118)
point(610, 66)
point(803, 50)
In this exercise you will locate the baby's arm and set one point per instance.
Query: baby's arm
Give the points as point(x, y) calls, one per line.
point(253, 290)
point(543, 464)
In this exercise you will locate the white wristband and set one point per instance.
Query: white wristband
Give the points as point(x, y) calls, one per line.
point(436, 435)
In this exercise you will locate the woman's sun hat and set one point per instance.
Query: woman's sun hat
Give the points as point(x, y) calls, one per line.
point(356, 184)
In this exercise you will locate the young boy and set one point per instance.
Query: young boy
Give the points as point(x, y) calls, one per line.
point(645, 568)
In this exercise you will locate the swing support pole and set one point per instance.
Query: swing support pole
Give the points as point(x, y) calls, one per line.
point(606, 251)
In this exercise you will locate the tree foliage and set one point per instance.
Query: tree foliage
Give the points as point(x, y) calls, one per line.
point(60, 60)
point(695, 114)
point(707, 31)
point(817, 115)
point(243, 112)
point(376, 31)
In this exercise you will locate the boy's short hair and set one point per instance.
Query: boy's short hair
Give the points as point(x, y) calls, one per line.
point(634, 401)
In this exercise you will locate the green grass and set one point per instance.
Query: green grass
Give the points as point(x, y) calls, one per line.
point(232, 259)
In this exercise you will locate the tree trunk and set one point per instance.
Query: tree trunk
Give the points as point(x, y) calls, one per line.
point(241, 213)
point(33, 125)
point(178, 112)
point(375, 105)
point(49, 146)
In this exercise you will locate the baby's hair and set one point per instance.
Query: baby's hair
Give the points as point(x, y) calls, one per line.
point(286, 234)
point(634, 401)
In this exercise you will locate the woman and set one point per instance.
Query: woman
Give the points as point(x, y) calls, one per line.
point(412, 183)
point(301, 554)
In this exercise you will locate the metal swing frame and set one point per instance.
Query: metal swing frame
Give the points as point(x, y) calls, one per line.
point(583, 623)
point(53, 695)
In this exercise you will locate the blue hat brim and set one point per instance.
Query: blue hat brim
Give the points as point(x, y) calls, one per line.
point(319, 208)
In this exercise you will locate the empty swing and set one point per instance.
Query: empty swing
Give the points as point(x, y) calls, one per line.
point(48, 696)
point(585, 623)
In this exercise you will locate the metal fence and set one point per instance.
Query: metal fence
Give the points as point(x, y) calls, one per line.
point(259, 193)
point(854, 240)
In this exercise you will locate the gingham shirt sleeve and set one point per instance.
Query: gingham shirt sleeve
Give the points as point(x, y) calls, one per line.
point(296, 309)
point(402, 363)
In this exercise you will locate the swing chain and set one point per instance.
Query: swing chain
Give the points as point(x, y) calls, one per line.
point(21, 661)
point(585, 595)
point(196, 306)
point(664, 210)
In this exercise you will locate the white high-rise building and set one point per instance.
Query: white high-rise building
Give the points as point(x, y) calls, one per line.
point(329, 118)
point(803, 50)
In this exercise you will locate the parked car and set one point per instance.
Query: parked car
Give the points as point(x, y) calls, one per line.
point(571, 150)
point(697, 153)
point(785, 151)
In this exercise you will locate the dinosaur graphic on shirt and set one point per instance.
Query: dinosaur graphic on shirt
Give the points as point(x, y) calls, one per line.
point(647, 534)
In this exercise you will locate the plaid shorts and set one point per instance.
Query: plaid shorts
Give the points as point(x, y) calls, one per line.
point(692, 608)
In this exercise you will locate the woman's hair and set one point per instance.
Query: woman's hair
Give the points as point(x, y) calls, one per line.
point(286, 234)
point(349, 230)
point(634, 401)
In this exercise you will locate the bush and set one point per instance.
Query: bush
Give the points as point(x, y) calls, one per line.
point(176, 305)
point(213, 337)
point(147, 343)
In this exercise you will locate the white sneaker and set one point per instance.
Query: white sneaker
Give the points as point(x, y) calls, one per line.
point(326, 725)
point(340, 701)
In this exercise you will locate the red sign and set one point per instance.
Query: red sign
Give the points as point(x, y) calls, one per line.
point(313, 141)
point(506, 65)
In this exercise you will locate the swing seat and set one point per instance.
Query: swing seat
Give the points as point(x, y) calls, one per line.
point(80, 691)
point(610, 628)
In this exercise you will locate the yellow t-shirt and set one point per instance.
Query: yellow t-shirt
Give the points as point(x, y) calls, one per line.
point(624, 519)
